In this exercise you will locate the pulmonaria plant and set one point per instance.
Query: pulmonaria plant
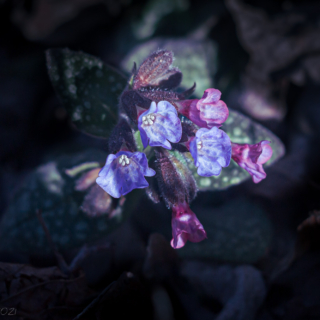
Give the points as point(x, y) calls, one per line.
point(149, 105)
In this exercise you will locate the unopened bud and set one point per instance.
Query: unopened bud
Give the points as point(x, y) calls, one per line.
point(175, 180)
point(130, 100)
point(122, 136)
point(156, 71)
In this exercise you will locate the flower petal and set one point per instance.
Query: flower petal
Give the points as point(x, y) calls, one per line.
point(212, 110)
point(251, 157)
point(142, 160)
point(207, 112)
point(159, 124)
point(119, 178)
point(211, 150)
point(185, 226)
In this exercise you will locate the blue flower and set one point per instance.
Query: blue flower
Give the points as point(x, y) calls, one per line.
point(159, 124)
point(124, 172)
point(211, 150)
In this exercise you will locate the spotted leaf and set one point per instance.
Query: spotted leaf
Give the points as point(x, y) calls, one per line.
point(88, 89)
point(54, 189)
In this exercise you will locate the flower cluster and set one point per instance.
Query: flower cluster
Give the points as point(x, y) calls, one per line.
point(150, 105)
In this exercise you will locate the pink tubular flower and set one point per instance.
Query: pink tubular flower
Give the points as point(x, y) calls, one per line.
point(185, 226)
point(251, 157)
point(207, 112)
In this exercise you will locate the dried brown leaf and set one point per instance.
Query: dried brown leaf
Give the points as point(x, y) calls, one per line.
point(35, 291)
point(87, 179)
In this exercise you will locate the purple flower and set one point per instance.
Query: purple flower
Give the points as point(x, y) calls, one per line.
point(211, 150)
point(159, 124)
point(207, 112)
point(185, 226)
point(251, 157)
point(124, 172)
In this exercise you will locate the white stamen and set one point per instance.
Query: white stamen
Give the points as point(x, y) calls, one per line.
point(148, 119)
point(124, 160)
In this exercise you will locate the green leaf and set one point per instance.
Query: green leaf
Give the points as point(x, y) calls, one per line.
point(88, 88)
point(240, 129)
point(51, 188)
point(238, 231)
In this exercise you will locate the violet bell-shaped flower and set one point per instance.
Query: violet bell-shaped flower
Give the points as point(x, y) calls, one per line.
point(124, 172)
point(207, 112)
point(211, 150)
point(159, 124)
point(251, 157)
point(185, 226)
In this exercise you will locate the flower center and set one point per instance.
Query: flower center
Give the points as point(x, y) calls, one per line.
point(199, 145)
point(124, 160)
point(149, 119)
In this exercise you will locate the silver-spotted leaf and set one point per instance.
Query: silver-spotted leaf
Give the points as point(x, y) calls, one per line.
point(51, 188)
point(88, 88)
point(240, 129)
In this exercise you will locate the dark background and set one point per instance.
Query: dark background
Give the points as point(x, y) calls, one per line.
point(273, 49)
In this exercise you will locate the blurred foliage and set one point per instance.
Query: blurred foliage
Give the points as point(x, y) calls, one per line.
point(88, 88)
point(153, 12)
point(50, 189)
